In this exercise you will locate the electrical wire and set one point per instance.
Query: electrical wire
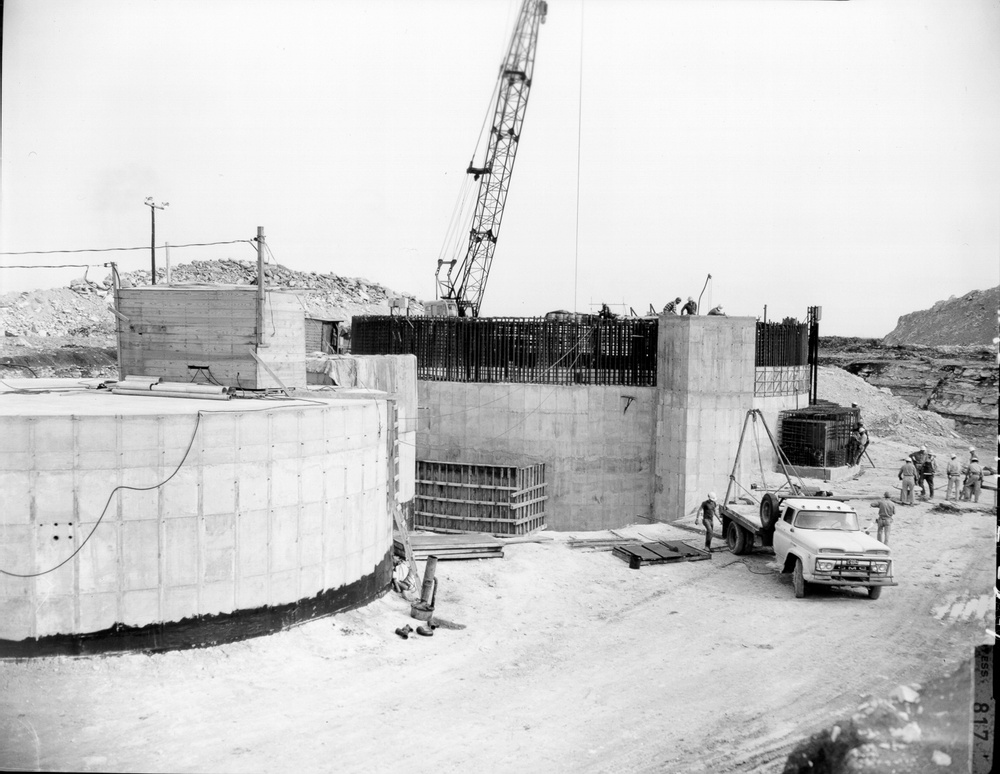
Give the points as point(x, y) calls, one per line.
point(105, 250)
point(108, 503)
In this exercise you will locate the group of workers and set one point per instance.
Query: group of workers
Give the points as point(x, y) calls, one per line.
point(965, 482)
point(691, 307)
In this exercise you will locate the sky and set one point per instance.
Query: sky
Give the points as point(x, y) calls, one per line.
point(840, 154)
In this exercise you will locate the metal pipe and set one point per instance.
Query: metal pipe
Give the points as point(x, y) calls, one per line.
point(148, 394)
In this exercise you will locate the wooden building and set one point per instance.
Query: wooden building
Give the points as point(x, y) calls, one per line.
point(210, 333)
point(323, 335)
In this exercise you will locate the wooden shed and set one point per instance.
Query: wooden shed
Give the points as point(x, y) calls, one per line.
point(323, 335)
point(210, 333)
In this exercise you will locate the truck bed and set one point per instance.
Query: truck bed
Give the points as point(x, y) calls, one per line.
point(747, 516)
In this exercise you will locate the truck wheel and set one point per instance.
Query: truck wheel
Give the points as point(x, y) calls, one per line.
point(768, 511)
point(798, 580)
point(736, 538)
point(874, 592)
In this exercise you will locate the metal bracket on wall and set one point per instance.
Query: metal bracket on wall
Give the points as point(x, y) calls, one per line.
point(629, 399)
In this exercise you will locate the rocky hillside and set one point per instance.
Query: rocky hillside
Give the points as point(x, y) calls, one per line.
point(968, 320)
point(959, 383)
point(82, 308)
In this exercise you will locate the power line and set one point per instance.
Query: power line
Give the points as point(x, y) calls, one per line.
point(115, 249)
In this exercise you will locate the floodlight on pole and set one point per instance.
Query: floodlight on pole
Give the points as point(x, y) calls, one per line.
point(152, 240)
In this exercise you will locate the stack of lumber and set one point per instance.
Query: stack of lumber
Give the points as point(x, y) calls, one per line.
point(464, 546)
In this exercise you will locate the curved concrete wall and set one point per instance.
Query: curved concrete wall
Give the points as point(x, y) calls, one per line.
point(275, 503)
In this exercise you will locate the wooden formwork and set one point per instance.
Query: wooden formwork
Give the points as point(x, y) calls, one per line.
point(472, 497)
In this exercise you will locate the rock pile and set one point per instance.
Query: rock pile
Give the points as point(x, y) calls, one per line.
point(971, 319)
point(82, 309)
point(79, 310)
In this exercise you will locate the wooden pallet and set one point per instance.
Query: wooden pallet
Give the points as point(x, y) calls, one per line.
point(460, 546)
point(660, 552)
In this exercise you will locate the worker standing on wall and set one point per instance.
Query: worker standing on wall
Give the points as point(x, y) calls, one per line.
point(709, 510)
point(691, 307)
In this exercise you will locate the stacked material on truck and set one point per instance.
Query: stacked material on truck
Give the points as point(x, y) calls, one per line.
point(817, 436)
point(472, 497)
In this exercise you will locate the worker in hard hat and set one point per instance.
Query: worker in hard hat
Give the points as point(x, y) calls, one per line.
point(717, 311)
point(691, 307)
point(672, 306)
point(709, 512)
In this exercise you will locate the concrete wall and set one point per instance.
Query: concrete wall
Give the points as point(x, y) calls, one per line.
point(395, 375)
point(275, 502)
point(597, 442)
point(620, 455)
point(705, 375)
point(171, 327)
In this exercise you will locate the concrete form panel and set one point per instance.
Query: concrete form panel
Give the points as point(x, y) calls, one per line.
point(54, 614)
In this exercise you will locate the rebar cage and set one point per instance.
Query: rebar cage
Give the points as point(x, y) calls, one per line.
point(516, 349)
point(817, 436)
point(584, 349)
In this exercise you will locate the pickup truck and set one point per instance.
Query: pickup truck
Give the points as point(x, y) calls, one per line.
point(816, 539)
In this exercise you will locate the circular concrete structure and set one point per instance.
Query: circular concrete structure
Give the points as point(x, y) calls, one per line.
point(154, 523)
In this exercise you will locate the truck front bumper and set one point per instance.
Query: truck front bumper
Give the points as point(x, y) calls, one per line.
point(834, 579)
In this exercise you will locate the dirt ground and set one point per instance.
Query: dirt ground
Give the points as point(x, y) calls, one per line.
point(549, 659)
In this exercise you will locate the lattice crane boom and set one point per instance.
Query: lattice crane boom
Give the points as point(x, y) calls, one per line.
point(466, 283)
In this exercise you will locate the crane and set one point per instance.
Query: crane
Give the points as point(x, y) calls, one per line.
point(465, 285)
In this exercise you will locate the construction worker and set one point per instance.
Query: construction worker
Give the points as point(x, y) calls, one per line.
point(671, 307)
point(918, 458)
point(853, 447)
point(928, 469)
point(886, 510)
point(691, 307)
point(967, 483)
point(717, 311)
point(907, 475)
point(975, 479)
point(709, 510)
point(954, 472)
point(863, 436)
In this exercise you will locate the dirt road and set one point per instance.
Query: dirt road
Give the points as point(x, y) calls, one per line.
point(569, 661)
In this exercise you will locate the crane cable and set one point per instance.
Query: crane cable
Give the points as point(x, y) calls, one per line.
point(579, 134)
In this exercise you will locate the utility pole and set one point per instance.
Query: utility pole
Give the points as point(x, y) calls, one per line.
point(152, 239)
point(261, 297)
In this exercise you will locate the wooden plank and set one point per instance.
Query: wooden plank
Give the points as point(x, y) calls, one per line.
point(486, 539)
point(663, 550)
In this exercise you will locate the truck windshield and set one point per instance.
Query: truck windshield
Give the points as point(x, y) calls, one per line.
point(827, 520)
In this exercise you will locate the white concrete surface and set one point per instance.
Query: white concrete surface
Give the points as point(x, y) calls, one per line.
point(276, 500)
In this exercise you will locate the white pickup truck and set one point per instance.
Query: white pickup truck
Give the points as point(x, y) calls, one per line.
point(819, 541)
point(816, 539)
